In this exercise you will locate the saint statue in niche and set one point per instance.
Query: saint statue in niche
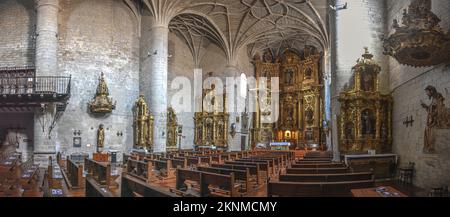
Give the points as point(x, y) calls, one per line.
point(309, 114)
point(289, 77)
point(308, 73)
point(368, 123)
point(367, 83)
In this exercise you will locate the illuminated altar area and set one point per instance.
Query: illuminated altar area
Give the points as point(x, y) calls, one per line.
point(301, 96)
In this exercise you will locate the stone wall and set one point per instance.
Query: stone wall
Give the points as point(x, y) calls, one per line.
point(95, 37)
point(17, 24)
point(407, 85)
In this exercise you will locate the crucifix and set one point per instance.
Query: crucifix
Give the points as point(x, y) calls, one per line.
point(409, 121)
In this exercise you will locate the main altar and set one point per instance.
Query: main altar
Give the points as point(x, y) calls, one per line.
point(300, 102)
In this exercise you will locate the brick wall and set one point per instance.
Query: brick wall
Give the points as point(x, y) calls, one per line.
point(17, 24)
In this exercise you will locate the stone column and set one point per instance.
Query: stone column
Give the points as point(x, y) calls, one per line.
point(327, 98)
point(46, 63)
point(154, 81)
point(232, 72)
point(47, 37)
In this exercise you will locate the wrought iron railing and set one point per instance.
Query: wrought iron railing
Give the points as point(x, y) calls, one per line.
point(58, 85)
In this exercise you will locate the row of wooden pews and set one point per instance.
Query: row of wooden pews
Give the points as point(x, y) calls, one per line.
point(240, 175)
point(19, 179)
point(317, 176)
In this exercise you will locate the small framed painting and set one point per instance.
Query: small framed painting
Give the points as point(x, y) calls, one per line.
point(77, 142)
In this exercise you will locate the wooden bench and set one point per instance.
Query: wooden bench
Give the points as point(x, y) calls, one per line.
point(318, 189)
point(253, 170)
point(262, 166)
point(312, 162)
point(100, 172)
point(93, 189)
point(191, 161)
point(240, 175)
point(325, 177)
point(317, 170)
point(139, 169)
point(177, 162)
point(321, 165)
point(210, 184)
point(270, 163)
point(74, 174)
point(132, 187)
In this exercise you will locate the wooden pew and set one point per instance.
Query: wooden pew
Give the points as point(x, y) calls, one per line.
point(99, 171)
point(346, 177)
point(270, 163)
point(253, 170)
point(74, 174)
point(216, 158)
point(314, 159)
point(225, 184)
point(262, 166)
point(139, 169)
point(164, 167)
point(312, 162)
point(318, 189)
point(321, 165)
point(177, 163)
point(241, 175)
point(93, 189)
point(191, 161)
point(132, 187)
point(317, 170)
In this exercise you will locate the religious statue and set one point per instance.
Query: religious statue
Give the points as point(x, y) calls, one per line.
point(367, 83)
point(438, 117)
point(366, 122)
point(308, 73)
point(100, 138)
point(289, 76)
point(309, 116)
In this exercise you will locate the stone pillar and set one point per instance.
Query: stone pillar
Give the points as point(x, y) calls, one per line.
point(232, 72)
point(46, 63)
point(154, 81)
point(348, 43)
point(327, 98)
point(47, 37)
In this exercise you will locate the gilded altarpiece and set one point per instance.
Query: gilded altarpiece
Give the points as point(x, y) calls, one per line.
point(301, 93)
point(211, 125)
point(143, 123)
point(365, 121)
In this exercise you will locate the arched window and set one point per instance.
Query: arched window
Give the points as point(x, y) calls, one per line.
point(243, 86)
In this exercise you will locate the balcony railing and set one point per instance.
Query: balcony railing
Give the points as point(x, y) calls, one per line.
point(43, 86)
